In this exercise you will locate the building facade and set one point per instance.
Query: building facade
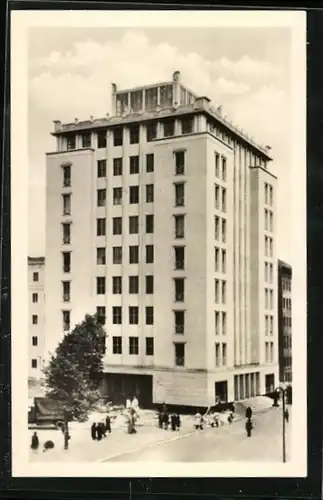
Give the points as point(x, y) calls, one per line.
point(36, 292)
point(285, 321)
point(161, 218)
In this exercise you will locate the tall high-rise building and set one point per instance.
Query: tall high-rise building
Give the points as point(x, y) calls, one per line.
point(161, 218)
point(285, 321)
point(36, 326)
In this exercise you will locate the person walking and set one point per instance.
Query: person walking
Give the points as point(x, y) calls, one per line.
point(166, 421)
point(67, 438)
point(93, 431)
point(198, 421)
point(178, 422)
point(248, 413)
point(34, 442)
point(99, 432)
point(249, 427)
point(173, 419)
point(160, 420)
point(108, 424)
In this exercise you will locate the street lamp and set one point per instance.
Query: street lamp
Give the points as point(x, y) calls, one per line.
point(282, 389)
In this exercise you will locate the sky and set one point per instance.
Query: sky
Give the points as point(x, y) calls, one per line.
point(247, 70)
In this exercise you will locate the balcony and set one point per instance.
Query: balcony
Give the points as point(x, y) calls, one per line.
point(66, 269)
point(66, 296)
point(180, 169)
point(179, 297)
point(180, 201)
point(179, 361)
point(66, 240)
point(67, 182)
point(179, 264)
point(179, 328)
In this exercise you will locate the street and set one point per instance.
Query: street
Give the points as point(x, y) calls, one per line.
point(228, 443)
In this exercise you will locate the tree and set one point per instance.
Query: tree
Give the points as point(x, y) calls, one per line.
point(74, 372)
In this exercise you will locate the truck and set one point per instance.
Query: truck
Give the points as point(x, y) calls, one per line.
point(44, 412)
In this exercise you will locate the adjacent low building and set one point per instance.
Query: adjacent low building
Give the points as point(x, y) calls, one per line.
point(162, 219)
point(285, 321)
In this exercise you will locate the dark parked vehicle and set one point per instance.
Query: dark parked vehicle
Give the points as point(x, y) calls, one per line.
point(46, 412)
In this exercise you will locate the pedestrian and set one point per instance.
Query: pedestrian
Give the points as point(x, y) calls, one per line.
point(67, 437)
point(103, 429)
point(135, 403)
point(93, 431)
point(160, 420)
point(198, 421)
point(99, 432)
point(249, 427)
point(230, 417)
point(248, 413)
point(286, 415)
point(131, 422)
point(173, 420)
point(178, 422)
point(128, 403)
point(108, 424)
point(216, 419)
point(166, 421)
point(34, 442)
point(48, 445)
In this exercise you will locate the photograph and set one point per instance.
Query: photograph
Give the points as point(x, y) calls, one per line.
point(159, 243)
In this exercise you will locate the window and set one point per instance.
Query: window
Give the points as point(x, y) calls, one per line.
point(216, 291)
point(149, 163)
point(66, 204)
point(224, 200)
point(149, 346)
point(134, 194)
point(224, 169)
point(187, 126)
point(35, 319)
point(134, 134)
point(101, 197)
point(100, 285)
point(179, 226)
point(166, 95)
point(35, 297)
point(35, 341)
point(101, 314)
point(133, 254)
point(133, 224)
point(224, 231)
point(66, 291)
point(66, 233)
point(217, 259)
point(34, 363)
point(224, 323)
point(117, 255)
point(266, 219)
point(270, 273)
point(149, 224)
point(271, 221)
point(179, 289)
point(102, 139)
point(136, 101)
point(134, 165)
point(133, 284)
point(224, 354)
point(133, 345)
point(224, 261)
point(180, 162)
point(217, 196)
point(117, 225)
point(102, 168)
point(117, 345)
point(271, 196)
point(149, 254)
point(217, 165)
point(149, 193)
point(133, 315)
point(217, 322)
point(149, 315)
point(179, 317)
point(179, 354)
point(116, 285)
point(169, 128)
point(217, 354)
point(100, 227)
point(217, 228)
point(179, 195)
point(86, 140)
point(117, 166)
point(179, 257)
point(151, 97)
point(118, 136)
point(66, 320)
point(70, 142)
point(35, 276)
point(116, 315)
point(66, 262)
point(271, 331)
point(151, 131)
point(117, 196)
point(149, 284)
point(67, 176)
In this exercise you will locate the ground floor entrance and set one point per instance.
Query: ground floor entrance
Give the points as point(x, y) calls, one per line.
point(246, 385)
point(118, 387)
point(221, 392)
point(270, 383)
